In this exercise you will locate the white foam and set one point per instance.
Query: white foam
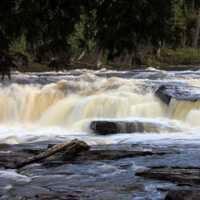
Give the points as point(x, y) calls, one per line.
point(64, 109)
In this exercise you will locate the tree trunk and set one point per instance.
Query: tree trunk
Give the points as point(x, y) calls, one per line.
point(81, 55)
point(183, 39)
point(99, 57)
point(71, 148)
point(197, 31)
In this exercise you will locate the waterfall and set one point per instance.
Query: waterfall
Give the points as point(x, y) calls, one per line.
point(68, 103)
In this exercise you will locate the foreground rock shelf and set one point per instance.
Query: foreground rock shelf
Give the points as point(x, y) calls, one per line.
point(75, 171)
point(17, 156)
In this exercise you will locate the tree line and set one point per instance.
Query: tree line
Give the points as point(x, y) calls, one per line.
point(72, 29)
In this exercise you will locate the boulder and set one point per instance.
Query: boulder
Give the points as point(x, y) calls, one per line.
point(163, 95)
point(179, 92)
point(136, 126)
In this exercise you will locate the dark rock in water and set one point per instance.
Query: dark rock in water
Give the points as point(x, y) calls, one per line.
point(181, 176)
point(104, 127)
point(181, 194)
point(113, 127)
point(163, 95)
point(178, 92)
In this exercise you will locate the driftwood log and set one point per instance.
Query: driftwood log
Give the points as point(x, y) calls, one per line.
point(73, 147)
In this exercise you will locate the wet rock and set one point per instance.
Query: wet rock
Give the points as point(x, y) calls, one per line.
point(15, 155)
point(163, 95)
point(28, 191)
point(9, 158)
point(115, 154)
point(104, 172)
point(113, 127)
point(181, 194)
point(178, 92)
point(181, 176)
point(95, 155)
point(33, 192)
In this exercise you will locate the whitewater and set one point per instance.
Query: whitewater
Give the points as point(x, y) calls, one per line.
point(50, 106)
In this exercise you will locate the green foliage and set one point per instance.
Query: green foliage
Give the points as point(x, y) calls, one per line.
point(65, 28)
point(180, 56)
point(79, 40)
point(20, 46)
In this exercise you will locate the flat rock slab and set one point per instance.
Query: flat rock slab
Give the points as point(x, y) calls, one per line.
point(112, 127)
point(12, 155)
point(101, 173)
point(181, 176)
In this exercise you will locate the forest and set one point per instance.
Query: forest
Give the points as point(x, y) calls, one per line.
point(101, 32)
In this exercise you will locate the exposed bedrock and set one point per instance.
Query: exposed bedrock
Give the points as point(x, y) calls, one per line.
point(136, 126)
point(183, 194)
point(180, 176)
point(62, 171)
point(17, 156)
point(186, 179)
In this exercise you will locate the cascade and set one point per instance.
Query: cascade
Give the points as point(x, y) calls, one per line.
point(71, 103)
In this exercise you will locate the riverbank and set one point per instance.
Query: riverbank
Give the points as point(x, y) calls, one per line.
point(169, 59)
point(36, 67)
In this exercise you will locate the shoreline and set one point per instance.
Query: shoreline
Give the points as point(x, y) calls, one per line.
point(37, 67)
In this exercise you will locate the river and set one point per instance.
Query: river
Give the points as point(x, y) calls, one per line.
point(41, 107)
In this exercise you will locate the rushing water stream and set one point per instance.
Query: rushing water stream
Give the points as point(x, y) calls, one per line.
point(66, 104)
point(39, 108)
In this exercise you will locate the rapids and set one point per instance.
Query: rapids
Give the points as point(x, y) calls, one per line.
point(55, 106)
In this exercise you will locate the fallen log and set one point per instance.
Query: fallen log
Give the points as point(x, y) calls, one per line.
point(73, 148)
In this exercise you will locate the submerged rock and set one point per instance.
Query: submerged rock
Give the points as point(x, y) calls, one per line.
point(113, 127)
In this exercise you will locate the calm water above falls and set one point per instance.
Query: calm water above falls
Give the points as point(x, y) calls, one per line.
point(49, 106)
